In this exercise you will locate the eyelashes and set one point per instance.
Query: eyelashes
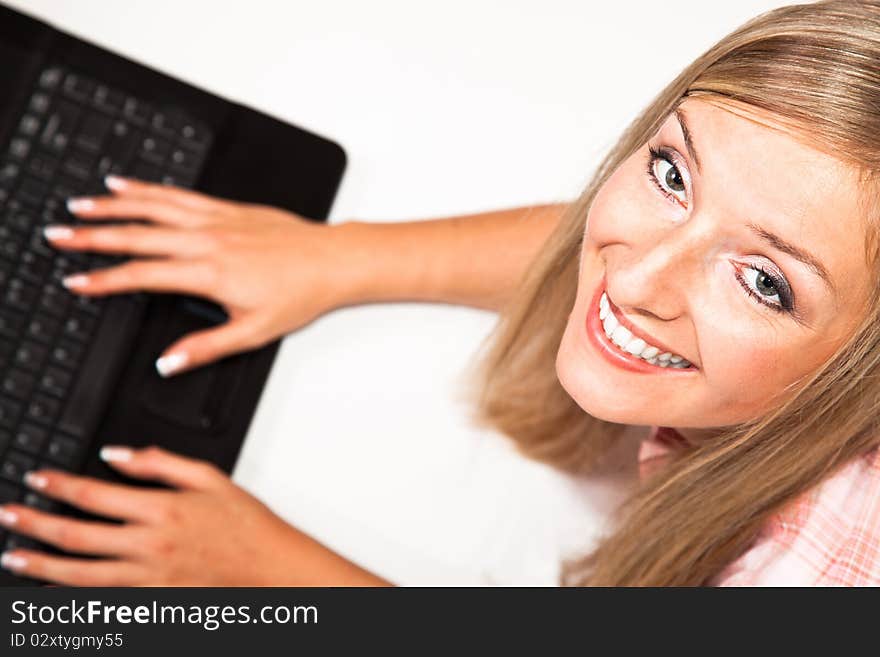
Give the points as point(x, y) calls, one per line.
point(664, 154)
point(779, 283)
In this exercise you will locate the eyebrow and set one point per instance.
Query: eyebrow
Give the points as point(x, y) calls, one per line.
point(688, 138)
point(795, 252)
point(771, 238)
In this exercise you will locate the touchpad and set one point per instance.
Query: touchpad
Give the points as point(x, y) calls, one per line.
point(197, 399)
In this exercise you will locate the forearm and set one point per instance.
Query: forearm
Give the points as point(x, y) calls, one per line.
point(475, 260)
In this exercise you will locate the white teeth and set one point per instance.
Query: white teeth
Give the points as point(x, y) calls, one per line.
point(609, 324)
point(635, 347)
point(623, 338)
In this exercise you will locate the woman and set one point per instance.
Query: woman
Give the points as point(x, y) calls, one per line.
point(714, 286)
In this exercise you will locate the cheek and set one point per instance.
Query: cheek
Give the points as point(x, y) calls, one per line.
point(749, 372)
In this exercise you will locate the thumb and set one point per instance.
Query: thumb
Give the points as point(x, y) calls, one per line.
point(208, 345)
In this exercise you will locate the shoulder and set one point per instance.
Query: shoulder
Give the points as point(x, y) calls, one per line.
point(829, 536)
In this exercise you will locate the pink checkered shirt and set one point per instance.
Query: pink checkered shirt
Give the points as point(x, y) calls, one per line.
point(829, 536)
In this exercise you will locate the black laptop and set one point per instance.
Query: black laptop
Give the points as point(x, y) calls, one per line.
point(78, 372)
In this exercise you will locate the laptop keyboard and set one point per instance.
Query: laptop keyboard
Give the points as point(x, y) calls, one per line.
point(59, 352)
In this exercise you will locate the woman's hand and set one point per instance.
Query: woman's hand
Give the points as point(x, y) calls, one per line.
point(272, 271)
point(205, 532)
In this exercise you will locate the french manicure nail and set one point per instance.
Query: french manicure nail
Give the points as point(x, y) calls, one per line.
point(57, 232)
point(115, 183)
point(7, 517)
point(110, 453)
point(35, 480)
point(12, 561)
point(75, 205)
point(167, 365)
point(75, 280)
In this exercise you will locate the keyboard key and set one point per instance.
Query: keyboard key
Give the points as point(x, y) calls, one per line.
point(31, 438)
point(10, 323)
point(32, 192)
point(31, 355)
point(77, 87)
point(155, 150)
point(37, 501)
point(185, 160)
point(29, 125)
point(8, 174)
point(17, 541)
point(60, 126)
point(22, 221)
point(32, 266)
point(15, 465)
point(136, 111)
point(146, 171)
point(54, 299)
point(79, 327)
point(43, 409)
point(65, 451)
point(18, 383)
point(79, 166)
point(108, 100)
point(19, 148)
point(42, 166)
point(42, 327)
point(56, 381)
point(20, 295)
point(67, 353)
point(39, 103)
point(51, 78)
point(90, 305)
point(92, 132)
point(195, 136)
point(9, 492)
point(10, 243)
point(9, 412)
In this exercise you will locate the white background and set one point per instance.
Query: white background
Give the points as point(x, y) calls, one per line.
point(362, 438)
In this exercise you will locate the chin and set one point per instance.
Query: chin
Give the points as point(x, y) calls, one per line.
point(604, 402)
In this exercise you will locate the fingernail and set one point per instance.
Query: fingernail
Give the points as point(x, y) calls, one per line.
point(75, 205)
point(75, 280)
point(110, 453)
point(35, 480)
point(115, 182)
point(57, 232)
point(167, 365)
point(8, 518)
point(12, 561)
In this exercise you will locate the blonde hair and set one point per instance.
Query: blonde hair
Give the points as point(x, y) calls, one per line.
point(816, 68)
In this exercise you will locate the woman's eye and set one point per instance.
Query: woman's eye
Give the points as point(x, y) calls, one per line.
point(667, 177)
point(765, 288)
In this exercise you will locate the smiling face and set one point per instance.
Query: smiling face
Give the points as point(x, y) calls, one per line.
point(743, 255)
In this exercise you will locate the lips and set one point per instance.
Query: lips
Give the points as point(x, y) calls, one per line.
point(617, 355)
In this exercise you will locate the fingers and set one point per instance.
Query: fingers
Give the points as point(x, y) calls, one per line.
point(186, 276)
point(70, 571)
point(84, 537)
point(130, 239)
point(98, 497)
point(131, 187)
point(163, 204)
point(158, 464)
point(208, 345)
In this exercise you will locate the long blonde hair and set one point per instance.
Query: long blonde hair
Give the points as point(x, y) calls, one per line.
point(815, 67)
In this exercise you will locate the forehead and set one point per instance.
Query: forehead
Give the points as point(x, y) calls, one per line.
point(756, 170)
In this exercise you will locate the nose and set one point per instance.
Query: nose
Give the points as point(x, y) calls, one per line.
point(656, 274)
